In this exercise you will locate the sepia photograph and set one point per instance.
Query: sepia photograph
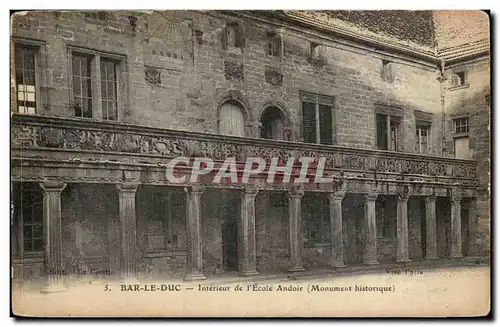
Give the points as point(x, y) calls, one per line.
point(250, 163)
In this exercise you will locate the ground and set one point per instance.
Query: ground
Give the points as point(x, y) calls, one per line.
point(394, 291)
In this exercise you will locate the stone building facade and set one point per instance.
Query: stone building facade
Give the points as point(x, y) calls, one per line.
point(102, 101)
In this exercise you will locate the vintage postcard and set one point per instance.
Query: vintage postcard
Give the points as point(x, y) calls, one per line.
point(262, 163)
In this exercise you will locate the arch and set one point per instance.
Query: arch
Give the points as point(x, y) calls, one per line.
point(234, 96)
point(275, 121)
point(232, 119)
point(233, 114)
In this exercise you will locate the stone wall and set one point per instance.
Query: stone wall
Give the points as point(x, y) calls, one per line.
point(194, 76)
point(472, 100)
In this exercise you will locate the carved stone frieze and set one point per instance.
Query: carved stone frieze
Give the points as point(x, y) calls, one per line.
point(120, 140)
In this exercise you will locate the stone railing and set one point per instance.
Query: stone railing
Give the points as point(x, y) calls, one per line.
point(122, 140)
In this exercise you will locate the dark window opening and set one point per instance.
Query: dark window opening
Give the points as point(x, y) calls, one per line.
point(309, 122)
point(233, 36)
point(317, 120)
point(28, 211)
point(387, 132)
point(273, 44)
point(461, 78)
point(317, 218)
point(165, 210)
point(272, 124)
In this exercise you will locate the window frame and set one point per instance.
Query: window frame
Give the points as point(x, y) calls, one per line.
point(96, 80)
point(273, 45)
point(322, 213)
point(37, 46)
point(421, 125)
point(21, 251)
point(317, 100)
point(455, 125)
point(116, 67)
point(167, 219)
point(393, 115)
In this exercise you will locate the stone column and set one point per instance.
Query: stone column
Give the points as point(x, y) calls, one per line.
point(246, 231)
point(456, 227)
point(194, 254)
point(295, 237)
point(370, 253)
point(53, 238)
point(336, 235)
point(472, 222)
point(402, 254)
point(430, 228)
point(128, 231)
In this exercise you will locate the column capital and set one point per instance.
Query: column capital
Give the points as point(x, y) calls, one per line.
point(431, 198)
point(403, 197)
point(296, 192)
point(455, 195)
point(194, 189)
point(52, 186)
point(336, 196)
point(371, 196)
point(127, 187)
point(251, 191)
point(404, 192)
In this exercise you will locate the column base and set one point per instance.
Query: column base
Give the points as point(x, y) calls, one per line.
point(403, 260)
point(127, 279)
point(339, 265)
point(296, 269)
point(53, 288)
point(249, 273)
point(371, 262)
point(194, 276)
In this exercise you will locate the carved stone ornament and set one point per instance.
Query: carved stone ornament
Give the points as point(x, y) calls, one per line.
point(152, 75)
point(233, 70)
point(274, 77)
point(173, 144)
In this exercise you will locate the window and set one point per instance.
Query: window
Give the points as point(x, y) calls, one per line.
point(109, 89)
point(272, 124)
point(96, 90)
point(25, 62)
point(233, 36)
point(317, 219)
point(386, 208)
point(165, 219)
point(461, 125)
point(273, 44)
point(82, 85)
point(459, 78)
point(28, 219)
point(317, 119)
point(461, 138)
point(422, 138)
point(388, 130)
point(232, 120)
point(387, 71)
